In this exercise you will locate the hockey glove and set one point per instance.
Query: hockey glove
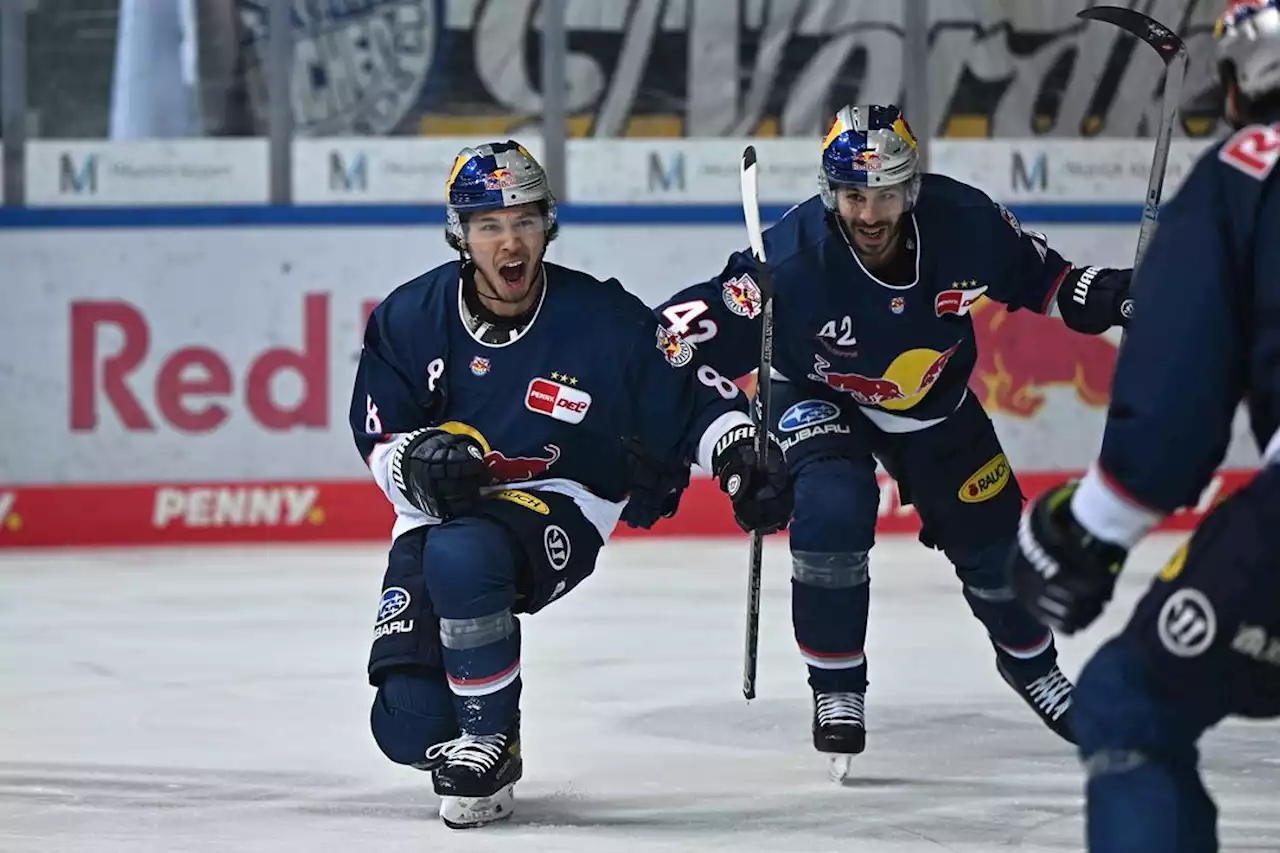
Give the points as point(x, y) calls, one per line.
point(1059, 571)
point(1093, 299)
point(440, 473)
point(656, 486)
point(762, 500)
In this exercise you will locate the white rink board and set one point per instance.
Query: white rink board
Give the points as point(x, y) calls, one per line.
point(207, 701)
point(242, 292)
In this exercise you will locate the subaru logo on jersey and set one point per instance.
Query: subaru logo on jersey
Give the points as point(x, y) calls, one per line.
point(395, 600)
point(807, 413)
point(557, 400)
point(556, 543)
point(959, 299)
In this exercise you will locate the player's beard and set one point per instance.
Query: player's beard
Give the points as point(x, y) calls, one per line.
point(876, 250)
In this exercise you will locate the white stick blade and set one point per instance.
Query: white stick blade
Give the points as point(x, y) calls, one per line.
point(751, 201)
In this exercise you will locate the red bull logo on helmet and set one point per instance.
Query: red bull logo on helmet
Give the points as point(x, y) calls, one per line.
point(867, 161)
point(499, 179)
point(742, 296)
point(905, 383)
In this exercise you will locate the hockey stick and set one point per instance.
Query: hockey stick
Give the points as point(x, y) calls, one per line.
point(755, 234)
point(1174, 53)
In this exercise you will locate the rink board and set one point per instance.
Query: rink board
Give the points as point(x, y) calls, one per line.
point(338, 511)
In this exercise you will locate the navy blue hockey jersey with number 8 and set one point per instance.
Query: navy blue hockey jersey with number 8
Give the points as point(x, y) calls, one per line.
point(552, 405)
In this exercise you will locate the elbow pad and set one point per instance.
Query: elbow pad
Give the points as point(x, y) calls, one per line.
point(1093, 299)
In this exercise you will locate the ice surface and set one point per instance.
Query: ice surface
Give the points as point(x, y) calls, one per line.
point(214, 700)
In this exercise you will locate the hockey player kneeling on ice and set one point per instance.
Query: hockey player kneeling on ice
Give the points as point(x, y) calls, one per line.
point(874, 279)
point(1204, 642)
point(509, 408)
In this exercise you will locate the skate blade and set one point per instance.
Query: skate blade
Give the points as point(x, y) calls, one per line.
point(839, 767)
point(473, 812)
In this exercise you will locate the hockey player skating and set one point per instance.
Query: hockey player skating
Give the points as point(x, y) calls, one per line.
point(874, 280)
point(1204, 642)
point(495, 402)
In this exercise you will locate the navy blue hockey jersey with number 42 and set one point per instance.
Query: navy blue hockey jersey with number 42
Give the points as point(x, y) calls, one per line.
point(903, 352)
point(552, 405)
point(1208, 332)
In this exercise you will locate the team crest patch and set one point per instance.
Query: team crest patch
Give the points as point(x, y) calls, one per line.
point(1007, 215)
point(897, 304)
point(677, 350)
point(360, 67)
point(480, 366)
point(742, 296)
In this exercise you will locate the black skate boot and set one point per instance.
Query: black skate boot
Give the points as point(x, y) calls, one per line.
point(1048, 693)
point(475, 776)
point(840, 729)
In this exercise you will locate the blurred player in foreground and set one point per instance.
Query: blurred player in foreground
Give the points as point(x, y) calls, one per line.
point(874, 280)
point(1204, 642)
point(498, 402)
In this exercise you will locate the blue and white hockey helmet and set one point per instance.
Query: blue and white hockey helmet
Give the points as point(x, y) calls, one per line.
point(868, 146)
point(1248, 38)
point(493, 176)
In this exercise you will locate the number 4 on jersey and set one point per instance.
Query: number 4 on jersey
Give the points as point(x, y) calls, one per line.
point(680, 319)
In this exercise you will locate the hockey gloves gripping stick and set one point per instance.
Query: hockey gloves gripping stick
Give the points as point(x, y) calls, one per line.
point(762, 495)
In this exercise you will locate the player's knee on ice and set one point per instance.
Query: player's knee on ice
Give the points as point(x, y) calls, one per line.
point(1139, 750)
point(835, 505)
point(411, 711)
point(471, 568)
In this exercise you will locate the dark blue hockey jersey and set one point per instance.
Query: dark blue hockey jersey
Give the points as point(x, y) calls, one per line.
point(903, 352)
point(551, 405)
point(1207, 330)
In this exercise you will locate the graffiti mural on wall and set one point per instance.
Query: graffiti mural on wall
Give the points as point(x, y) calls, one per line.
point(708, 68)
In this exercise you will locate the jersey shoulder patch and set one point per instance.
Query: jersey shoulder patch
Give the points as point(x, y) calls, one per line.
point(1252, 150)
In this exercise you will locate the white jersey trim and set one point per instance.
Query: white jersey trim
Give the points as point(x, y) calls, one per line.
point(718, 427)
point(1107, 514)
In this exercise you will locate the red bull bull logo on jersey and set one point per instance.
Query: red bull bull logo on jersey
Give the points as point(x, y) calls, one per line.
point(507, 469)
point(905, 383)
point(742, 296)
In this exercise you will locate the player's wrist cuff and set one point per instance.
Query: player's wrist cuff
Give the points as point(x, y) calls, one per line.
point(1109, 515)
point(720, 427)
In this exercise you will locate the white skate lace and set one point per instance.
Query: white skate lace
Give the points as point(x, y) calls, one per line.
point(840, 709)
point(477, 752)
point(1051, 693)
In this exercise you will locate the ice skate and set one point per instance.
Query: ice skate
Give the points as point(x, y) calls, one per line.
point(475, 776)
point(1048, 694)
point(839, 729)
